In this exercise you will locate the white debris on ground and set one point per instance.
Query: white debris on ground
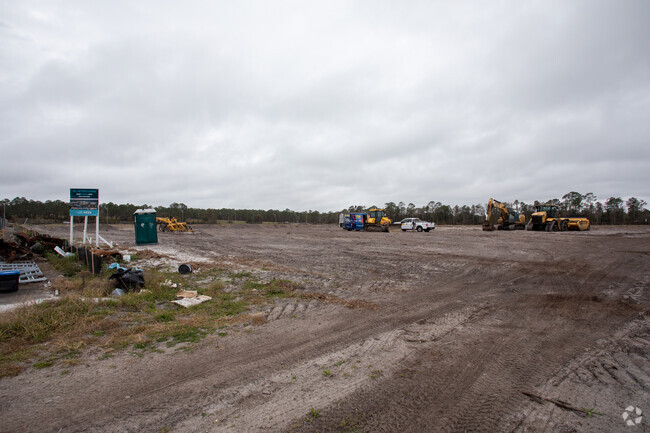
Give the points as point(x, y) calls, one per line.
point(189, 298)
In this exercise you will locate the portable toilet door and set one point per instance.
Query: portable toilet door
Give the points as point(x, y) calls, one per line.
point(145, 226)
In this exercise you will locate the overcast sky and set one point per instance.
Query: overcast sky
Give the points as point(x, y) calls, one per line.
point(322, 105)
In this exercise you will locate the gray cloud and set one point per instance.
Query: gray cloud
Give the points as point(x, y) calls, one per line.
point(319, 106)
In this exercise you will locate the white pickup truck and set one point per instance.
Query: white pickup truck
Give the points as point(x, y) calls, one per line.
point(417, 224)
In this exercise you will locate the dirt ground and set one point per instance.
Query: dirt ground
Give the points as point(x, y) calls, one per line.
point(456, 330)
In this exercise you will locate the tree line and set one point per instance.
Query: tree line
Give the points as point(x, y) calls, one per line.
point(613, 210)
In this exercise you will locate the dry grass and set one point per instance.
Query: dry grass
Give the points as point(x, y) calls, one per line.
point(58, 332)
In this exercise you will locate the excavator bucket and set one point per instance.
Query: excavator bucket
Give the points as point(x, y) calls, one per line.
point(487, 226)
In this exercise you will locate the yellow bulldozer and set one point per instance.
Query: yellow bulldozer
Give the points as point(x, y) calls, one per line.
point(547, 218)
point(172, 225)
point(508, 220)
point(377, 220)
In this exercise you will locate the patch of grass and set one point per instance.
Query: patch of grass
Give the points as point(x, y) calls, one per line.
point(59, 330)
point(590, 412)
point(375, 374)
point(68, 266)
point(44, 364)
point(350, 424)
point(253, 285)
point(37, 323)
point(144, 345)
point(12, 359)
point(281, 289)
point(186, 334)
point(215, 287)
point(312, 415)
point(222, 304)
point(339, 363)
point(166, 316)
point(327, 373)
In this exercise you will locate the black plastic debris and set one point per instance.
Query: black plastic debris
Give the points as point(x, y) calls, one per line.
point(128, 279)
point(185, 269)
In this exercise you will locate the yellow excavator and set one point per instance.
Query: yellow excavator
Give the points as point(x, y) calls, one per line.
point(547, 218)
point(507, 221)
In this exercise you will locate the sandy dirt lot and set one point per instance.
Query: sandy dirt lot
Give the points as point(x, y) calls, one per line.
point(456, 330)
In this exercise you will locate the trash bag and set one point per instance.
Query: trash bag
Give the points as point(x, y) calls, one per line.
point(128, 279)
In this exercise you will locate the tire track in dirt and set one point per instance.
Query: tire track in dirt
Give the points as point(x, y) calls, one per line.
point(318, 382)
point(476, 392)
point(610, 376)
point(201, 378)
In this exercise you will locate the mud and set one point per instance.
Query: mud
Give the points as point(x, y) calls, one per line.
point(416, 332)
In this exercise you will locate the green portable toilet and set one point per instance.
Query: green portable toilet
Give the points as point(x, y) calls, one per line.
point(145, 226)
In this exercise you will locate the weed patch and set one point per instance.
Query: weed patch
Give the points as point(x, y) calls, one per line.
point(44, 364)
point(68, 266)
point(80, 317)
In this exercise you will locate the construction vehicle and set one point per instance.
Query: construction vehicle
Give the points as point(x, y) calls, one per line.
point(547, 218)
point(172, 225)
point(372, 220)
point(508, 220)
point(377, 220)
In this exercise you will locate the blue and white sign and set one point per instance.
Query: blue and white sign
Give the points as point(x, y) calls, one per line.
point(84, 202)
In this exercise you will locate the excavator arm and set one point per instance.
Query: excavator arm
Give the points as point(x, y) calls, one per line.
point(495, 204)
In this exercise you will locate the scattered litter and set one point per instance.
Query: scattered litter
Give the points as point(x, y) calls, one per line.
point(169, 283)
point(60, 252)
point(128, 279)
point(185, 269)
point(190, 302)
point(117, 293)
point(126, 258)
point(116, 266)
point(189, 298)
point(36, 248)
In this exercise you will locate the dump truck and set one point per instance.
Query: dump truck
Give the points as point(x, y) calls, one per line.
point(509, 220)
point(547, 218)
